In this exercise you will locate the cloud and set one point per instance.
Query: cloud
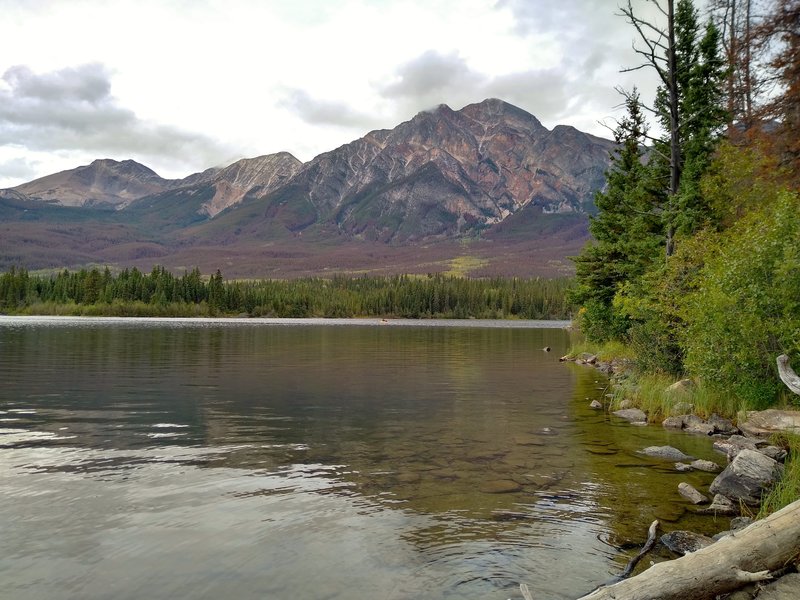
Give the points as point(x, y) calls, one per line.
point(325, 112)
point(18, 168)
point(73, 110)
point(431, 74)
point(433, 78)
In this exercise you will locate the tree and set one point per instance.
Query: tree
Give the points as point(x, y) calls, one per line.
point(625, 230)
point(780, 32)
point(688, 106)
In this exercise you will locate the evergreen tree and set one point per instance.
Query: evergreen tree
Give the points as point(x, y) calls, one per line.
point(625, 230)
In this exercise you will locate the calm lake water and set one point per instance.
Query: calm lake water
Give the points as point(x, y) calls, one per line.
point(303, 460)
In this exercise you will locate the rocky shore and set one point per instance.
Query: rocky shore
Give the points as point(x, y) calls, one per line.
point(749, 466)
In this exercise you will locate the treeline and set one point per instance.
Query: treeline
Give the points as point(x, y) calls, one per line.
point(696, 256)
point(161, 293)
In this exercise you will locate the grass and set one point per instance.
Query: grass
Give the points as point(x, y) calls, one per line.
point(462, 266)
point(787, 490)
point(650, 391)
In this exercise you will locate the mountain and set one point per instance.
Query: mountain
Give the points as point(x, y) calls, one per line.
point(488, 180)
point(442, 174)
point(104, 181)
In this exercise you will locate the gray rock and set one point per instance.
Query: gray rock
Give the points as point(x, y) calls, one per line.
point(683, 467)
point(588, 358)
point(720, 505)
point(740, 523)
point(706, 465)
point(747, 477)
point(767, 422)
point(722, 426)
point(691, 494)
point(665, 452)
point(733, 445)
point(694, 424)
point(683, 542)
point(500, 486)
point(681, 387)
point(673, 422)
point(634, 415)
point(785, 588)
point(596, 404)
point(774, 453)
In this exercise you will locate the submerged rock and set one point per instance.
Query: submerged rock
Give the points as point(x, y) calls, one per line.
point(634, 415)
point(683, 542)
point(665, 452)
point(691, 494)
point(706, 465)
point(747, 477)
point(500, 486)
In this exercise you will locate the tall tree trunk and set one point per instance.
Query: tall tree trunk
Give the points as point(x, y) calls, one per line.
point(674, 134)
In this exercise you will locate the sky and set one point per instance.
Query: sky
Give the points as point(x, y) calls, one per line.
point(183, 85)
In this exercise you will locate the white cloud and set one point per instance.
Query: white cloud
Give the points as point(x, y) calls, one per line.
point(185, 84)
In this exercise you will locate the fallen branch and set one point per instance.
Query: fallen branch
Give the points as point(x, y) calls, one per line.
point(745, 556)
point(651, 541)
point(787, 374)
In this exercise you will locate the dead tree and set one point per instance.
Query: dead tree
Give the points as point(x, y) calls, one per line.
point(746, 556)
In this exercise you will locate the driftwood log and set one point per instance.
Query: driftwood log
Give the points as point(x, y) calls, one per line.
point(746, 556)
point(788, 376)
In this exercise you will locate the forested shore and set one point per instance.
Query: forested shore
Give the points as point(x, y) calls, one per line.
point(95, 292)
point(694, 271)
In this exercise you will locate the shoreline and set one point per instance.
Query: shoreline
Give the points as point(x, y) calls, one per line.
point(32, 320)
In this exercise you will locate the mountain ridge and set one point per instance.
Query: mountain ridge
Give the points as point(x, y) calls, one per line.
point(441, 176)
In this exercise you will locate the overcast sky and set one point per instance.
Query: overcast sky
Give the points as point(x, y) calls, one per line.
point(182, 85)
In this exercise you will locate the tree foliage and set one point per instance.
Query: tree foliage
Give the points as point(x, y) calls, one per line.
point(160, 293)
point(726, 300)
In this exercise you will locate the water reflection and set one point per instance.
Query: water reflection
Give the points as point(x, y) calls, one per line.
point(201, 459)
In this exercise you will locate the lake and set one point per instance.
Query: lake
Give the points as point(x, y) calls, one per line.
point(249, 459)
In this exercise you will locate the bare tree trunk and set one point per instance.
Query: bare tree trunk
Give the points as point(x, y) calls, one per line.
point(674, 138)
point(787, 374)
point(743, 557)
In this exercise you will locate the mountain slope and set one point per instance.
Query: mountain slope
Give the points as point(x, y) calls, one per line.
point(104, 181)
point(442, 174)
point(488, 183)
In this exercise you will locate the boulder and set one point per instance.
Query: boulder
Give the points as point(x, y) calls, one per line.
point(691, 494)
point(747, 477)
point(673, 422)
point(722, 426)
point(665, 452)
point(785, 588)
point(766, 422)
point(733, 445)
point(634, 415)
point(681, 387)
point(706, 465)
point(694, 424)
point(596, 404)
point(683, 542)
point(740, 523)
point(774, 453)
point(720, 505)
